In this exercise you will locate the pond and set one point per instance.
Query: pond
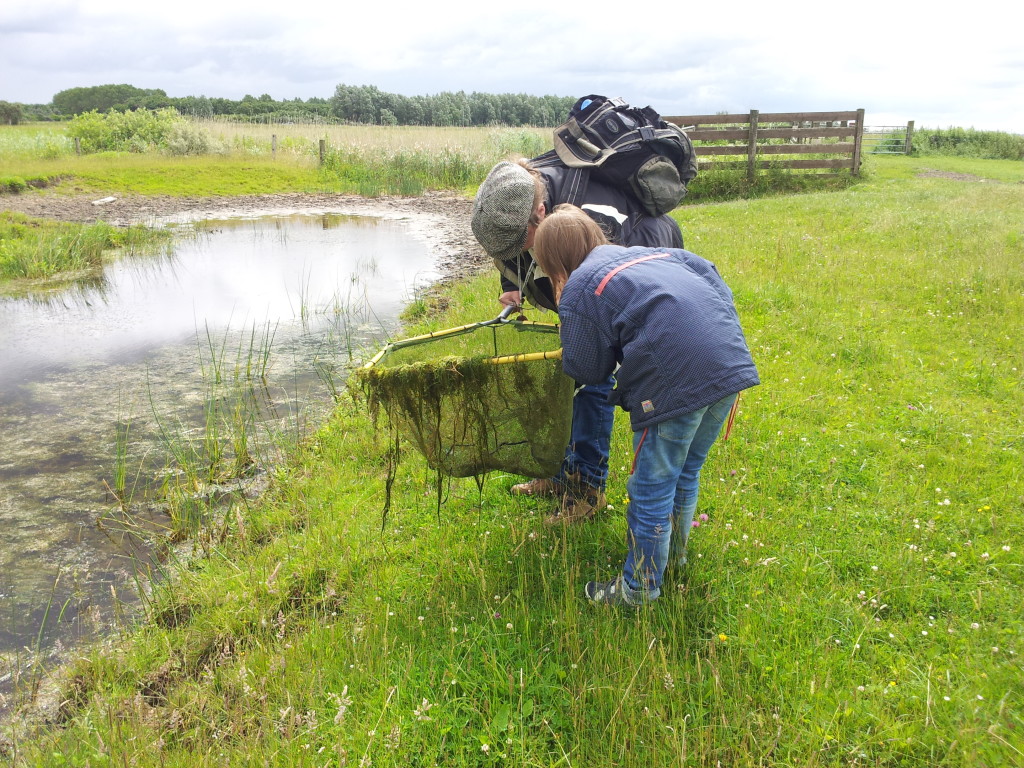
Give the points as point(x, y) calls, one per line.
point(106, 386)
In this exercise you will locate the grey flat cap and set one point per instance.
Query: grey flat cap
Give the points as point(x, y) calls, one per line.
point(502, 210)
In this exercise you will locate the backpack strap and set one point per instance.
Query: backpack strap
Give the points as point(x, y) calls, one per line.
point(576, 180)
point(575, 187)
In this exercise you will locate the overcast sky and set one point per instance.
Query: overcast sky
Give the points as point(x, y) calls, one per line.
point(936, 63)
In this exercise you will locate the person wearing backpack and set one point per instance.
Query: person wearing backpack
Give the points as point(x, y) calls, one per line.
point(666, 319)
point(512, 201)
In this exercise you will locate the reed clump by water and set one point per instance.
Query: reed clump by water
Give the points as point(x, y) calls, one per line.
point(38, 248)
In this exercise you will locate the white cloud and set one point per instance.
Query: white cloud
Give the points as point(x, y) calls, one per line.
point(905, 62)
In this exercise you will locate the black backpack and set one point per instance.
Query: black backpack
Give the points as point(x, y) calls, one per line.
point(626, 147)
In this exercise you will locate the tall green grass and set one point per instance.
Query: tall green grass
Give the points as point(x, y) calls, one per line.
point(854, 599)
point(48, 141)
point(36, 248)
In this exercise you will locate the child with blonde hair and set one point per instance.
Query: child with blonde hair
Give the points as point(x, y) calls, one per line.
point(666, 318)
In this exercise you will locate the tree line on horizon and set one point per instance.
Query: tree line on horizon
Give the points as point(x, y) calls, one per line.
point(365, 104)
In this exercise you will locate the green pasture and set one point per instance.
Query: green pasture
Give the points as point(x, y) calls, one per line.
point(855, 598)
point(206, 158)
point(255, 159)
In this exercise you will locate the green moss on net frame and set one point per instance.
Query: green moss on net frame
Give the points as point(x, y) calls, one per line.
point(502, 405)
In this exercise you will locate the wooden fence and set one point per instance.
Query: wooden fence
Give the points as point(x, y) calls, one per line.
point(777, 139)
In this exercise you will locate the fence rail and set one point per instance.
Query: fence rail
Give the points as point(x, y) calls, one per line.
point(835, 137)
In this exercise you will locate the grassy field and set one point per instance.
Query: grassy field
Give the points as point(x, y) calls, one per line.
point(244, 160)
point(241, 159)
point(856, 597)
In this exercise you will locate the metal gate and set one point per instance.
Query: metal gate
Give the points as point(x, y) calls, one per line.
point(888, 139)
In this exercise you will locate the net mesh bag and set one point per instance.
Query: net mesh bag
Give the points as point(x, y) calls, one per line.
point(495, 398)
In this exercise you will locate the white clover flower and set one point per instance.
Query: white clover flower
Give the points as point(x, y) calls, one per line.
point(421, 711)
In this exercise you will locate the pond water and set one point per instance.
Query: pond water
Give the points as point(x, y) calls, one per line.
point(118, 373)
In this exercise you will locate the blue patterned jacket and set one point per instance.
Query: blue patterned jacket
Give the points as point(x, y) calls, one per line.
point(668, 319)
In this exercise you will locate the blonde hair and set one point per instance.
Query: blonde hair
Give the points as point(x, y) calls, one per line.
point(563, 240)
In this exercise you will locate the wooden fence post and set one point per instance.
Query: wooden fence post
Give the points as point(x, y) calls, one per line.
point(858, 140)
point(752, 147)
point(323, 150)
point(78, 145)
point(909, 146)
point(273, 146)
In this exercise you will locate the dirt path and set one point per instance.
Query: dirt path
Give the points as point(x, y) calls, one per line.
point(442, 220)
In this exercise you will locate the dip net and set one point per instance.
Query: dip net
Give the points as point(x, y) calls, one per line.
point(481, 397)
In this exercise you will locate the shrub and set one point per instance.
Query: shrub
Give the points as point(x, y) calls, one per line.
point(92, 130)
point(185, 138)
point(967, 142)
point(10, 114)
point(136, 131)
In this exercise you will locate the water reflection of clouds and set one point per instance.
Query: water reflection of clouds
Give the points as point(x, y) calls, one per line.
point(232, 273)
point(75, 365)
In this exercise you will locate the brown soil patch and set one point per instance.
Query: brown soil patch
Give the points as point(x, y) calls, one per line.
point(952, 176)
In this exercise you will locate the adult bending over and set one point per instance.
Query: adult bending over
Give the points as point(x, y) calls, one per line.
point(510, 204)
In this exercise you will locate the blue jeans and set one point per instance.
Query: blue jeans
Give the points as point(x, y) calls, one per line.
point(663, 493)
point(590, 439)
